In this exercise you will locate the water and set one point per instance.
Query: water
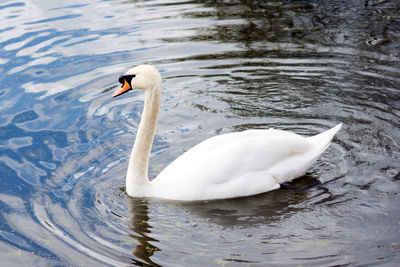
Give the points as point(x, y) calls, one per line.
point(227, 66)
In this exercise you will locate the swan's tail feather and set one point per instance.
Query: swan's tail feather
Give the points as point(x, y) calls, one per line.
point(323, 140)
point(297, 165)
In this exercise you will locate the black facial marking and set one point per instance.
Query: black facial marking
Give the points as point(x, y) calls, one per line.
point(126, 77)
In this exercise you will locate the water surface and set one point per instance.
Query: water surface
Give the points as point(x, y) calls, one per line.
point(227, 66)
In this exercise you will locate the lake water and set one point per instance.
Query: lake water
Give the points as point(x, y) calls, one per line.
point(227, 66)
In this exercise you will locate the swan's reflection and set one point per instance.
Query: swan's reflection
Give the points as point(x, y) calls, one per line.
point(141, 230)
point(223, 212)
point(248, 211)
point(241, 212)
point(175, 222)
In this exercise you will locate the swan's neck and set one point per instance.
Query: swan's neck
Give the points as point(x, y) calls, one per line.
point(139, 161)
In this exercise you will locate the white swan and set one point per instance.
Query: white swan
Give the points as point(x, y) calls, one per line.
point(225, 166)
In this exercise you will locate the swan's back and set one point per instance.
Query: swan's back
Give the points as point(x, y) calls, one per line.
point(239, 164)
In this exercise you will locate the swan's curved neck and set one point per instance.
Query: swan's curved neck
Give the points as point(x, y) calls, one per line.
point(139, 160)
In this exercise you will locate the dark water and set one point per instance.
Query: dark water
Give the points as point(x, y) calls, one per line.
point(227, 65)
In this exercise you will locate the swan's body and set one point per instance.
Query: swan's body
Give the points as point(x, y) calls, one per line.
point(225, 166)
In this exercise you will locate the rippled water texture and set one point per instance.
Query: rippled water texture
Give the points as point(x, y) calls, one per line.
point(227, 66)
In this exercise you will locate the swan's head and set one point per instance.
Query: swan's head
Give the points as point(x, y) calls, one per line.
point(140, 77)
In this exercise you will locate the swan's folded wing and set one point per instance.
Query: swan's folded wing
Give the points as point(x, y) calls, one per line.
point(233, 160)
point(252, 154)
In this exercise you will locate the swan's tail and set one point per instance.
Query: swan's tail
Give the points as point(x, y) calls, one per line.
point(323, 140)
point(298, 165)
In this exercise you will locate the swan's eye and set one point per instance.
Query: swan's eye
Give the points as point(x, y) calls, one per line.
point(126, 77)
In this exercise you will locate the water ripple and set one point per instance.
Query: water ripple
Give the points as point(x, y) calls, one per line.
point(226, 66)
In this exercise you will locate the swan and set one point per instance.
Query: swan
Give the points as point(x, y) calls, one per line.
point(226, 166)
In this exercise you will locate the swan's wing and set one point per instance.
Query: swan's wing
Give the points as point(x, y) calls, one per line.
point(237, 163)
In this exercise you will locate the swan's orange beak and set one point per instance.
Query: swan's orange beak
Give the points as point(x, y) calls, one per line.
point(125, 87)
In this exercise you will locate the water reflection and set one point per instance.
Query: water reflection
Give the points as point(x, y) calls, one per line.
point(250, 211)
point(140, 226)
point(159, 226)
point(30, 155)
